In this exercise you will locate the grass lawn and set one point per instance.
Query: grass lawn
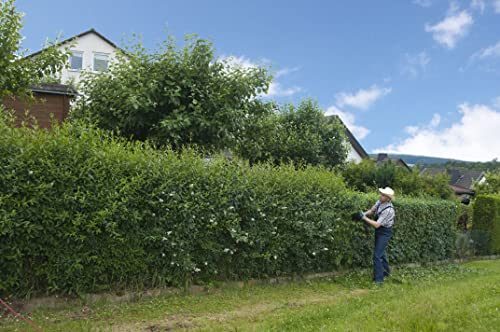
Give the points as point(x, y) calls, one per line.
point(452, 297)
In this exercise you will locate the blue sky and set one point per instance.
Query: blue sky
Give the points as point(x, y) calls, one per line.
point(406, 76)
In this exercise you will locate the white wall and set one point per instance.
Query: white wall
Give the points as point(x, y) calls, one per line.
point(353, 155)
point(89, 44)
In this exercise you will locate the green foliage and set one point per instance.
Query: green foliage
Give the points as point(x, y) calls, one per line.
point(492, 166)
point(366, 176)
point(464, 246)
point(82, 210)
point(486, 224)
point(302, 135)
point(175, 96)
point(491, 185)
point(18, 73)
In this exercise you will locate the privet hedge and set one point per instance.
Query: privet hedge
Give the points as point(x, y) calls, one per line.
point(82, 211)
point(486, 224)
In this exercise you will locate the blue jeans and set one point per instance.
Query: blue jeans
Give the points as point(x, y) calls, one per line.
point(380, 264)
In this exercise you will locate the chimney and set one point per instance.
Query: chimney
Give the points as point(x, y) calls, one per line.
point(382, 157)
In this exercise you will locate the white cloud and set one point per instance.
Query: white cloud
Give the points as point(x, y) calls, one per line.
point(362, 99)
point(276, 88)
point(496, 103)
point(285, 71)
point(239, 62)
point(471, 138)
point(488, 52)
point(436, 120)
point(414, 64)
point(496, 5)
point(478, 5)
point(349, 120)
point(423, 3)
point(452, 28)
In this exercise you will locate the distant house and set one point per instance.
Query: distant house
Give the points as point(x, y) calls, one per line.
point(461, 181)
point(356, 151)
point(383, 158)
point(91, 51)
point(50, 103)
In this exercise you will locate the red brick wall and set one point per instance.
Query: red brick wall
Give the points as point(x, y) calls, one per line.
point(41, 108)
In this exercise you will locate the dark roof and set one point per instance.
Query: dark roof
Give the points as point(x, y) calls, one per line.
point(462, 191)
point(354, 142)
point(468, 178)
point(458, 178)
point(384, 157)
point(78, 36)
point(56, 89)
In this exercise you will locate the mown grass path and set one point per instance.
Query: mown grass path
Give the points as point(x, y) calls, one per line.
point(451, 297)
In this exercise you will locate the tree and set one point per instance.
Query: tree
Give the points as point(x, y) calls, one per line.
point(175, 96)
point(491, 185)
point(302, 135)
point(367, 177)
point(17, 73)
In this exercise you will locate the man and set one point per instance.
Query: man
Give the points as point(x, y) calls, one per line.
point(383, 222)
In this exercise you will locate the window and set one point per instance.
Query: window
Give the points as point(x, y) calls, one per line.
point(100, 62)
point(76, 60)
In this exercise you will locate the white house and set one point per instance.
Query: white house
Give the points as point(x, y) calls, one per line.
point(356, 152)
point(91, 51)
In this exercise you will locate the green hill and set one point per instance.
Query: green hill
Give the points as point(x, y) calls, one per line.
point(414, 160)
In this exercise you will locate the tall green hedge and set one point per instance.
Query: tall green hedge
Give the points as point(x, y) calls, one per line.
point(82, 211)
point(486, 224)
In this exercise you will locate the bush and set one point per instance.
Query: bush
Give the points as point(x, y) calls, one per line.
point(486, 224)
point(83, 211)
point(464, 247)
point(366, 176)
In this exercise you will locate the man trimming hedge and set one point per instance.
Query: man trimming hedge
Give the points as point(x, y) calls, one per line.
point(383, 222)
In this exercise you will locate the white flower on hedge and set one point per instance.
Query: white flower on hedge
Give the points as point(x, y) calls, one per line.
point(314, 253)
point(161, 200)
point(171, 194)
point(191, 185)
point(192, 193)
point(227, 250)
point(325, 249)
point(252, 219)
point(169, 232)
point(284, 207)
point(175, 255)
point(30, 172)
point(172, 263)
point(197, 270)
point(206, 263)
point(275, 257)
point(153, 214)
point(164, 239)
point(262, 214)
point(233, 230)
point(231, 207)
point(162, 254)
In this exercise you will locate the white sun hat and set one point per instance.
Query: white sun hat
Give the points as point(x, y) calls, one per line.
point(387, 192)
